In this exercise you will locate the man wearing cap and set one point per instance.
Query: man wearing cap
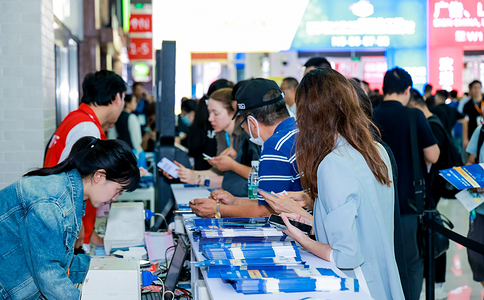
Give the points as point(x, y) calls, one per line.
point(316, 62)
point(266, 119)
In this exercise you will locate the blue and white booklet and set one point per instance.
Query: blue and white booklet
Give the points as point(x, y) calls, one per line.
point(297, 280)
point(465, 177)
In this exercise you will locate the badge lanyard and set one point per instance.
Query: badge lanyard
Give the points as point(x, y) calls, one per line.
point(227, 139)
point(479, 109)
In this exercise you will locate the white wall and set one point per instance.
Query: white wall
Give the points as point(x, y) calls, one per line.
point(27, 85)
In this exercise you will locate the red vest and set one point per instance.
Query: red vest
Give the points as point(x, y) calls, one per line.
point(57, 144)
point(58, 141)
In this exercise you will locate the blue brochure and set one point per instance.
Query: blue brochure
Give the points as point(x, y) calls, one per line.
point(465, 177)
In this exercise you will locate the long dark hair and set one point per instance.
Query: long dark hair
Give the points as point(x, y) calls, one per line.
point(90, 154)
point(330, 107)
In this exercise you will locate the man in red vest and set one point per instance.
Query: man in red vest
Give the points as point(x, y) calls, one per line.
point(101, 104)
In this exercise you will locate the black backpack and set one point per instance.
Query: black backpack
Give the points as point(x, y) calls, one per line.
point(480, 141)
point(453, 159)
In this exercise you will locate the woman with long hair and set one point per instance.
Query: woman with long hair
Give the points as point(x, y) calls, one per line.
point(201, 136)
point(349, 175)
point(41, 216)
point(235, 152)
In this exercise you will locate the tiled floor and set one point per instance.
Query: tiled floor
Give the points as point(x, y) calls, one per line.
point(459, 276)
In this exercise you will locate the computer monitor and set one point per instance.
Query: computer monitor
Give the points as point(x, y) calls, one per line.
point(175, 268)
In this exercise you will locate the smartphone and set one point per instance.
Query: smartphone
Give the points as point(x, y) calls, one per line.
point(168, 166)
point(205, 156)
point(283, 193)
point(278, 222)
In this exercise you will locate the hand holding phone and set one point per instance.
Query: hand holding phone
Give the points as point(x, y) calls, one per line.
point(277, 221)
point(169, 167)
point(206, 157)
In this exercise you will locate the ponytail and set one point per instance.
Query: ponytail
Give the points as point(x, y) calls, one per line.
point(90, 154)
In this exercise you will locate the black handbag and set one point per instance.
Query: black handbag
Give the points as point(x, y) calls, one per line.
point(441, 243)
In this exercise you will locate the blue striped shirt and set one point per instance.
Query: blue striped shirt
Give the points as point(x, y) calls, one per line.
point(277, 166)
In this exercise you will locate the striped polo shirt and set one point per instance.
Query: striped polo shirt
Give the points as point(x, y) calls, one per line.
point(277, 167)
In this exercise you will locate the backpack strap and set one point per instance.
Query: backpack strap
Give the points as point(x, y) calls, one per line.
point(418, 179)
point(479, 143)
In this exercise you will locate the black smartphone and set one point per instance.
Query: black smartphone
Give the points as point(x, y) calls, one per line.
point(278, 222)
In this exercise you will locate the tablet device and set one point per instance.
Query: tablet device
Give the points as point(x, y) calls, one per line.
point(169, 167)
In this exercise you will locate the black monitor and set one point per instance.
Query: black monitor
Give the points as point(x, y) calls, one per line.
point(175, 268)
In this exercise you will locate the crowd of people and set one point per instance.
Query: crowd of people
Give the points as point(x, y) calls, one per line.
point(340, 151)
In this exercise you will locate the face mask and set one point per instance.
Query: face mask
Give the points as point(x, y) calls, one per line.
point(185, 120)
point(258, 140)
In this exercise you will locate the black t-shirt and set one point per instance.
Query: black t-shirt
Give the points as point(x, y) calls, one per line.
point(201, 140)
point(474, 116)
point(247, 152)
point(447, 115)
point(392, 118)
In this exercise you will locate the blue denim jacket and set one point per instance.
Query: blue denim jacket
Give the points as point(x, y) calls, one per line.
point(40, 218)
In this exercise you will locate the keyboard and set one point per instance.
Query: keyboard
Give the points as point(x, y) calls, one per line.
point(151, 296)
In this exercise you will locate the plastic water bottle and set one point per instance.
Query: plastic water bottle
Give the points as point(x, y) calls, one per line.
point(253, 181)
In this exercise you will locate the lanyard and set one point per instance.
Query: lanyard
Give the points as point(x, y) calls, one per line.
point(479, 109)
point(227, 139)
point(140, 106)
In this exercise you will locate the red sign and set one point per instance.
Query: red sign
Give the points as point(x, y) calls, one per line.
point(454, 26)
point(446, 68)
point(140, 23)
point(140, 48)
point(456, 23)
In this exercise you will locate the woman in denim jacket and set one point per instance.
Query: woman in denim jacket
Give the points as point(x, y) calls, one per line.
point(40, 218)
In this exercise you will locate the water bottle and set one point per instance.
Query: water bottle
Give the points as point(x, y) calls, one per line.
point(253, 181)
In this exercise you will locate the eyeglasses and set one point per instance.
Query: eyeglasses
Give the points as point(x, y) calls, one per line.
point(244, 120)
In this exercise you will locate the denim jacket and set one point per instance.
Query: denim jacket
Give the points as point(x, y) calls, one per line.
point(40, 218)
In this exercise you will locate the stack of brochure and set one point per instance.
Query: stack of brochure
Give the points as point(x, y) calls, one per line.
point(277, 263)
point(295, 280)
point(256, 259)
point(235, 230)
point(252, 250)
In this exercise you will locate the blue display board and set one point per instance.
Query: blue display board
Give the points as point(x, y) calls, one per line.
point(329, 25)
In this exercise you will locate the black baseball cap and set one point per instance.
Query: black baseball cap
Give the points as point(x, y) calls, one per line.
point(252, 91)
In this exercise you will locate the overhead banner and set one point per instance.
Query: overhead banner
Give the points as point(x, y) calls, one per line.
point(457, 23)
point(454, 26)
point(346, 24)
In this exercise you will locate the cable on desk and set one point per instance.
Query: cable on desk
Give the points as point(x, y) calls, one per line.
point(162, 216)
point(166, 258)
point(149, 214)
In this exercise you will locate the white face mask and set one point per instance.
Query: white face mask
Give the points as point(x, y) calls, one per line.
point(258, 140)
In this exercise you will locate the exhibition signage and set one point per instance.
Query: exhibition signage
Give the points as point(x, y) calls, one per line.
point(140, 23)
point(140, 48)
point(454, 26)
point(361, 24)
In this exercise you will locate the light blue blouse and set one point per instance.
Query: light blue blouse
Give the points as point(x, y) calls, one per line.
point(354, 215)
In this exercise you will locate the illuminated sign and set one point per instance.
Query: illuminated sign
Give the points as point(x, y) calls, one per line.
point(140, 23)
point(454, 26)
point(361, 24)
point(141, 72)
point(446, 67)
point(461, 22)
point(140, 48)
